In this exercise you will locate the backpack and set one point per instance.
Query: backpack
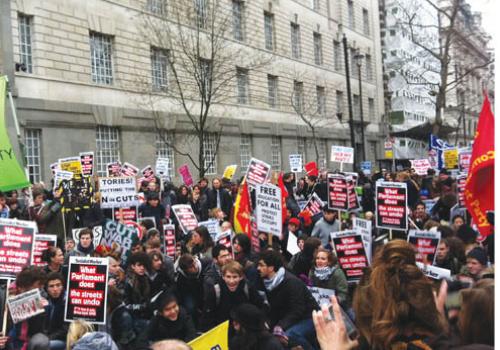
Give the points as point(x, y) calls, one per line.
point(217, 293)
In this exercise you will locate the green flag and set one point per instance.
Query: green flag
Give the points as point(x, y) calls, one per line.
point(12, 175)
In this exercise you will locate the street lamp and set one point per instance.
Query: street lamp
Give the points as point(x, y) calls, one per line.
point(349, 98)
point(359, 57)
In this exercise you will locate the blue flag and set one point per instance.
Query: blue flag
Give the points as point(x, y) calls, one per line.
point(436, 148)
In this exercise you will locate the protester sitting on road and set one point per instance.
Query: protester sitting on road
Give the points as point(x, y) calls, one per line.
point(85, 245)
point(55, 327)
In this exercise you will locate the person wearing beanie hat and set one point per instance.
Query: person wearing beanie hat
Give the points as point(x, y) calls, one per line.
point(477, 262)
point(251, 330)
point(153, 208)
point(468, 236)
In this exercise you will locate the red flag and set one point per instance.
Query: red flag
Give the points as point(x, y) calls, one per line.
point(479, 188)
point(242, 211)
point(284, 195)
point(312, 169)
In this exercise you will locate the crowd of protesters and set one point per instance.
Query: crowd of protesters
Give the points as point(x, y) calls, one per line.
point(152, 297)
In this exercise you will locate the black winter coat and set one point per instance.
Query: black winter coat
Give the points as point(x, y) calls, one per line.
point(161, 328)
point(54, 326)
point(226, 201)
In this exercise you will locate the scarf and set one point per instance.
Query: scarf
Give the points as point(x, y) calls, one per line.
point(323, 273)
point(86, 251)
point(271, 283)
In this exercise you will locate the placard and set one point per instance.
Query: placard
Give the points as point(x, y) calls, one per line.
point(257, 172)
point(350, 251)
point(186, 175)
point(464, 157)
point(450, 158)
point(212, 226)
point(342, 154)
point(364, 228)
point(426, 243)
point(54, 167)
point(391, 202)
point(118, 192)
point(87, 162)
point(268, 209)
point(129, 214)
point(60, 176)
point(87, 290)
point(429, 204)
point(42, 242)
point(16, 245)
point(148, 173)
point(352, 197)
point(434, 272)
point(461, 180)
point(291, 246)
point(366, 167)
point(337, 192)
point(185, 216)
point(295, 162)
point(162, 167)
point(224, 238)
point(421, 166)
point(124, 235)
point(321, 295)
point(229, 171)
point(96, 230)
point(169, 232)
point(114, 169)
point(25, 305)
point(71, 164)
point(129, 170)
point(314, 205)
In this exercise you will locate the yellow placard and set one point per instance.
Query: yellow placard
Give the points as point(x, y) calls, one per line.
point(229, 171)
point(388, 153)
point(216, 338)
point(71, 164)
point(451, 158)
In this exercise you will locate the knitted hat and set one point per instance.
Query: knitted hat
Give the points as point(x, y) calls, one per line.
point(479, 254)
point(467, 234)
point(249, 316)
point(294, 221)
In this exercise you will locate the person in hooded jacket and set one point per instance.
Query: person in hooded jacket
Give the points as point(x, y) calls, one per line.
point(55, 327)
point(153, 208)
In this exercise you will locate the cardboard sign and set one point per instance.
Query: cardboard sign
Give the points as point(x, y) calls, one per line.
point(434, 272)
point(321, 295)
point(291, 246)
point(212, 227)
point(364, 228)
point(314, 205)
point(25, 305)
point(129, 170)
point(162, 167)
point(461, 180)
point(16, 245)
point(169, 231)
point(391, 201)
point(87, 290)
point(54, 167)
point(426, 243)
point(450, 158)
point(118, 192)
point(464, 157)
point(60, 176)
point(186, 175)
point(258, 172)
point(148, 173)
point(388, 150)
point(96, 230)
point(42, 242)
point(229, 171)
point(350, 251)
point(352, 197)
point(129, 214)
point(114, 169)
point(337, 192)
point(295, 162)
point(268, 209)
point(126, 236)
point(185, 216)
point(341, 154)
point(366, 167)
point(87, 162)
point(421, 166)
point(71, 164)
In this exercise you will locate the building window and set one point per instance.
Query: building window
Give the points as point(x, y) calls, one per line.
point(210, 153)
point(272, 88)
point(356, 105)
point(337, 56)
point(373, 149)
point(321, 100)
point(301, 148)
point(205, 78)
point(318, 50)
point(369, 67)
point(242, 77)
point(245, 152)
point(392, 32)
point(298, 95)
point(101, 52)
point(269, 30)
point(238, 20)
point(108, 148)
point(340, 101)
point(366, 22)
point(316, 5)
point(25, 28)
point(350, 13)
point(165, 150)
point(276, 152)
point(323, 153)
point(296, 49)
point(354, 64)
point(159, 68)
point(201, 12)
point(158, 7)
point(371, 109)
point(33, 140)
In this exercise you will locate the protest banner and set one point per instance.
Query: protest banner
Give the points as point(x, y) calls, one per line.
point(291, 246)
point(212, 226)
point(314, 205)
point(129, 214)
point(224, 238)
point(364, 228)
point(187, 178)
point(421, 166)
point(118, 192)
point(114, 169)
point(42, 242)
point(229, 171)
point(434, 272)
point(60, 176)
point(388, 150)
point(429, 204)
point(351, 254)
point(71, 164)
point(342, 154)
point(53, 168)
point(268, 209)
point(214, 339)
point(464, 157)
point(352, 197)
point(128, 169)
point(461, 181)
point(124, 235)
point(87, 162)
point(96, 231)
point(162, 167)
point(185, 216)
point(148, 173)
point(321, 295)
point(16, 245)
point(450, 158)
point(257, 172)
point(77, 193)
point(169, 232)
point(25, 305)
point(366, 167)
point(391, 205)
point(353, 175)
point(337, 192)
point(295, 161)
point(87, 290)
point(426, 243)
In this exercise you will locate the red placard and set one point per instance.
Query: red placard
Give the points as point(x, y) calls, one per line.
point(42, 242)
point(391, 205)
point(87, 160)
point(351, 253)
point(185, 216)
point(258, 172)
point(16, 245)
point(169, 231)
point(337, 192)
point(461, 180)
point(426, 243)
